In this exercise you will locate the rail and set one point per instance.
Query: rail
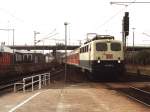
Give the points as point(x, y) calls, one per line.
point(141, 96)
point(137, 94)
point(41, 79)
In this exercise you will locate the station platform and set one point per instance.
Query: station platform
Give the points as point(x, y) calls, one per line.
point(77, 97)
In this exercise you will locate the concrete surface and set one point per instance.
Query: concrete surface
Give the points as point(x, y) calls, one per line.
point(79, 97)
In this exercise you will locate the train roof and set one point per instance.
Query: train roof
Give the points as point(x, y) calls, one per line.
point(27, 52)
point(5, 49)
point(9, 50)
point(73, 51)
point(101, 37)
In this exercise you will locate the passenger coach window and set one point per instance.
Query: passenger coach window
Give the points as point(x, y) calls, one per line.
point(101, 46)
point(115, 46)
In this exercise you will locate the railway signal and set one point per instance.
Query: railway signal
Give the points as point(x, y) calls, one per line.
point(126, 24)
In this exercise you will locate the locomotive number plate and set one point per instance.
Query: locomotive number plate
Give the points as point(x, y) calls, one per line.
point(109, 56)
point(109, 65)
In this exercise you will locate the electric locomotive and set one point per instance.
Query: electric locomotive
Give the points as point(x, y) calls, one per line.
point(102, 56)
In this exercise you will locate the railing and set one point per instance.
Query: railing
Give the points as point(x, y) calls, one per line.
point(41, 79)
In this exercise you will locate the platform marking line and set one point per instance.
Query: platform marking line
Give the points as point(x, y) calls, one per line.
point(22, 103)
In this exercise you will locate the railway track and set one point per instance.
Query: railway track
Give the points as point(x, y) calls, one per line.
point(139, 92)
point(140, 95)
point(130, 77)
point(8, 86)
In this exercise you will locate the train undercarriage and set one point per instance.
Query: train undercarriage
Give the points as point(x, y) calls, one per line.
point(96, 73)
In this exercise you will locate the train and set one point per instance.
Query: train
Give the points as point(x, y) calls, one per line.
point(102, 56)
point(19, 63)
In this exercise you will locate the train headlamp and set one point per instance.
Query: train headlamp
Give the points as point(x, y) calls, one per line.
point(119, 61)
point(98, 61)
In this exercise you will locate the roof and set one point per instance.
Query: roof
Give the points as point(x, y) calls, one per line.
point(100, 37)
point(5, 49)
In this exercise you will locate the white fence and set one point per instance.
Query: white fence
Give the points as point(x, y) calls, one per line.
point(41, 79)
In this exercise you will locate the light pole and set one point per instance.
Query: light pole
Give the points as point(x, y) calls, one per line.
point(35, 33)
point(43, 44)
point(133, 44)
point(133, 38)
point(13, 31)
point(65, 50)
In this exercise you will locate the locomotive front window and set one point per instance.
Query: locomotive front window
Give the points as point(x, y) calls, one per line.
point(101, 46)
point(115, 46)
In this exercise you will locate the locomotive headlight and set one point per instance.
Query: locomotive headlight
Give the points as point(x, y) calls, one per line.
point(98, 61)
point(119, 61)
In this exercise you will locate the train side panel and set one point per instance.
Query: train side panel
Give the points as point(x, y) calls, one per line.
point(85, 56)
point(73, 57)
point(5, 58)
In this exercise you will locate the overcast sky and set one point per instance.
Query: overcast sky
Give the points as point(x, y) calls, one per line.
point(83, 16)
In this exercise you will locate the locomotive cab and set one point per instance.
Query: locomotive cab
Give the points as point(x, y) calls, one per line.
point(104, 56)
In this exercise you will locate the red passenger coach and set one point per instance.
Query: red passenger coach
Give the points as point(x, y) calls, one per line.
point(5, 58)
point(16, 63)
point(6, 55)
point(73, 57)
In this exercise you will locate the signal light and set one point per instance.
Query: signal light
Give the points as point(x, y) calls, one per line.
point(126, 24)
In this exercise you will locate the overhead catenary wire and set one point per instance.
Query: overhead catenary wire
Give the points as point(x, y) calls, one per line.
point(112, 17)
point(45, 38)
point(51, 32)
point(19, 19)
point(127, 2)
point(11, 14)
